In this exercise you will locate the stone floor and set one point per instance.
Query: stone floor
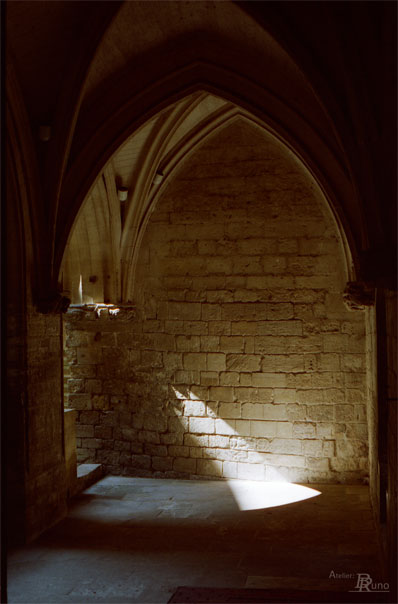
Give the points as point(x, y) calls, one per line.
point(138, 539)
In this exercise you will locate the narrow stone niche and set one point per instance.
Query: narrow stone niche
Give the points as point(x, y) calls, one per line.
point(240, 359)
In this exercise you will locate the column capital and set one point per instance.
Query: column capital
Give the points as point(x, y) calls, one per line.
point(359, 294)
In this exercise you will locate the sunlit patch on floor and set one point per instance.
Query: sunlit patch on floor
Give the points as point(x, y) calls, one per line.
point(250, 495)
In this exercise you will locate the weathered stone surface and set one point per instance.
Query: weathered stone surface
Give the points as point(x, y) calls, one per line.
point(240, 358)
point(185, 464)
point(209, 467)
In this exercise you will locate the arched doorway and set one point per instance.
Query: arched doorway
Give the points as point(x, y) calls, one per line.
point(239, 358)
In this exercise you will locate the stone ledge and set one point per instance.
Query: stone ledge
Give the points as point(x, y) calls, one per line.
point(358, 295)
point(121, 312)
point(88, 474)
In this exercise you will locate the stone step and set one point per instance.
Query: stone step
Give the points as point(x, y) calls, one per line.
point(88, 474)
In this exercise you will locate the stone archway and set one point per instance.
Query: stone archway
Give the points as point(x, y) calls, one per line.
point(242, 359)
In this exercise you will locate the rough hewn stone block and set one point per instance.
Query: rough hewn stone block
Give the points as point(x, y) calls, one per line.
point(83, 430)
point(209, 378)
point(247, 471)
point(100, 402)
point(198, 328)
point(178, 451)
point(312, 448)
point(211, 312)
point(156, 423)
point(185, 464)
point(284, 429)
point(162, 464)
point(121, 445)
point(221, 393)
point(351, 448)
point(89, 417)
point(232, 343)
point(309, 396)
point(224, 427)
point(320, 412)
point(218, 441)
point(345, 413)
point(353, 362)
point(230, 469)
point(244, 312)
point(75, 385)
point(196, 408)
point(230, 410)
point(209, 467)
point(199, 425)
point(274, 412)
point(102, 431)
point(328, 362)
point(91, 443)
point(196, 440)
point(216, 362)
point(195, 361)
point(245, 379)
point(148, 436)
point(285, 446)
point(188, 343)
point(296, 411)
point(298, 380)
point(284, 395)
point(89, 356)
point(113, 386)
point(252, 411)
point(82, 371)
point(304, 429)
point(320, 465)
point(284, 363)
point(328, 448)
point(280, 328)
point(262, 428)
point(243, 363)
point(80, 401)
point(152, 358)
point(141, 461)
point(242, 427)
point(158, 450)
point(244, 328)
point(268, 380)
point(210, 344)
point(229, 379)
point(196, 452)
point(280, 311)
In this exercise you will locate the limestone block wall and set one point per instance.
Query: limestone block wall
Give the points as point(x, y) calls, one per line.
point(42, 423)
point(392, 330)
point(36, 482)
point(372, 409)
point(241, 360)
point(14, 435)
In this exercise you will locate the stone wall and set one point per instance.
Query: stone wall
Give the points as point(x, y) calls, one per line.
point(372, 409)
point(36, 481)
point(35, 493)
point(14, 434)
point(45, 458)
point(241, 360)
point(392, 478)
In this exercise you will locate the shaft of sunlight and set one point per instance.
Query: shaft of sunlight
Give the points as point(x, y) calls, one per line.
point(250, 495)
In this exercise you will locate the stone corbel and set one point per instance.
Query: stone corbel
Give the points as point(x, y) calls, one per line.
point(53, 304)
point(358, 295)
point(122, 312)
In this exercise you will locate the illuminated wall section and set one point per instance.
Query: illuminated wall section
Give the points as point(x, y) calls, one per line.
point(240, 359)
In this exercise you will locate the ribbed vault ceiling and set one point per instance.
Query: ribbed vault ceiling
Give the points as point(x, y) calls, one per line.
point(100, 258)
